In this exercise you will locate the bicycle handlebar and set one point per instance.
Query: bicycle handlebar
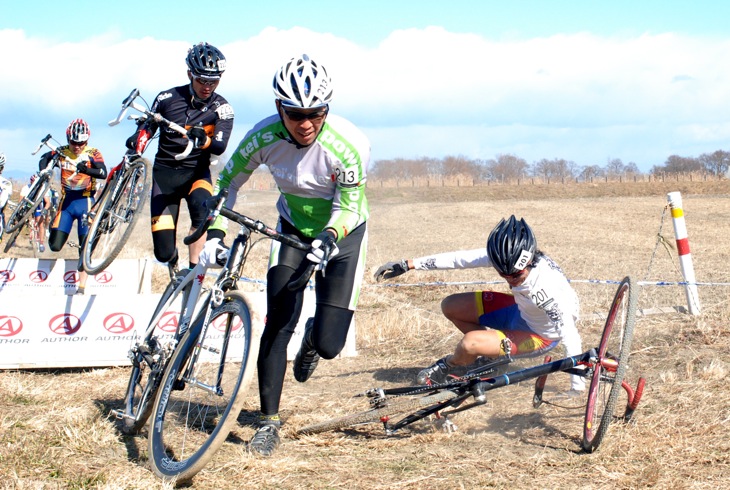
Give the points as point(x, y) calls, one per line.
point(130, 101)
point(51, 143)
point(254, 225)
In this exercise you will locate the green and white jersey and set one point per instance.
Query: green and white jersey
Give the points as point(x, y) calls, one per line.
point(322, 185)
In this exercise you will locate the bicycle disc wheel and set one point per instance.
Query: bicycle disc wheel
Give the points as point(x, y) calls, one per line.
point(394, 406)
point(25, 208)
point(115, 218)
point(149, 360)
point(201, 396)
point(611, 366)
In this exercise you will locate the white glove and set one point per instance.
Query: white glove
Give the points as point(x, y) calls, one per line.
point(323, 249)
point(214, 254)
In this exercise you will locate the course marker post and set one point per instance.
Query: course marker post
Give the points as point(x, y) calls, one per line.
point(685, 257)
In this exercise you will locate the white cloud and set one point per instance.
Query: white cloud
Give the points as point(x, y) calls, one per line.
point(419, 91)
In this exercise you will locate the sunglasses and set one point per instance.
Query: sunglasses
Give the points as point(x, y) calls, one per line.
point(515, 275)
point(298, 116)
point(77, 143)
point(207, 83)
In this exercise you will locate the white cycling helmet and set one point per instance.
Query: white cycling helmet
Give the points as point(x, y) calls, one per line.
point(2, 161)
point(303, 83)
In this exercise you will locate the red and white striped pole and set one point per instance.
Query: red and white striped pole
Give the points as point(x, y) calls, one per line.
point(685, 257)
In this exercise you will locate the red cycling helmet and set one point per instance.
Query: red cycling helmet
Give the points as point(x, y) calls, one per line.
point(78, 131)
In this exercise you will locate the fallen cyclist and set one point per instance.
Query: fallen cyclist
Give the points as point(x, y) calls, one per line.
point(541, 312)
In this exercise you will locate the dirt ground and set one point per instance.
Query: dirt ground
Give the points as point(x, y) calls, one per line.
point(56, 430)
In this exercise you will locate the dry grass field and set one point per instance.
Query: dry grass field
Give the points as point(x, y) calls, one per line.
point(56, 432)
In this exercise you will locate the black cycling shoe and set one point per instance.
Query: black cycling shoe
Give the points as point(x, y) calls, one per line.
point(265, 440)
point(307, 358)
point(436, 373)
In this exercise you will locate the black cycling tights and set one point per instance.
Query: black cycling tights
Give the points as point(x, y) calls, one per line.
point(58, 238)
point(329, 335)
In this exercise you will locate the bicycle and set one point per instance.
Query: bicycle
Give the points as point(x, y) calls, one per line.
point(23, 213)
point(197, 391)
point(604, 366)
point(127, 186)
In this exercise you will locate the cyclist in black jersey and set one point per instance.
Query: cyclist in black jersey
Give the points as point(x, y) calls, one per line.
point(208, 117)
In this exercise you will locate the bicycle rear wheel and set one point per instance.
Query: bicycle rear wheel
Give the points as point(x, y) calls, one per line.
point(115, 218)
point(202, 391)
point(611, 366)
point(394, 406)
point(28, 204)
point(149, 359)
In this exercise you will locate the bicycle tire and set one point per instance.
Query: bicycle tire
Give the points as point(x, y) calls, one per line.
point(26, 206)
point(11, 238)
point(190, 423)
point(116, 218)
point(615, 346)
point(144, 379)
point(394, 406)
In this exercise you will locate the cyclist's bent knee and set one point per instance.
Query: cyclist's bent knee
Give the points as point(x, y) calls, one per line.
point(331, 325)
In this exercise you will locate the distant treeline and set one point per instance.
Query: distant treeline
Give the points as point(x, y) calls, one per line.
point(509, 168)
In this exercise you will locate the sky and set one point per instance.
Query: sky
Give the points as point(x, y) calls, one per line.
point(584, 81)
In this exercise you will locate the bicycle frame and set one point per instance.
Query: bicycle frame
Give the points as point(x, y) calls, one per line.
point(478, 385)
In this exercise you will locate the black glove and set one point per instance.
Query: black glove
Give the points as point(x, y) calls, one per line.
point(391, 270)
point(45, 160)
point(82, 168)
point(132, 142)
point(197, 135)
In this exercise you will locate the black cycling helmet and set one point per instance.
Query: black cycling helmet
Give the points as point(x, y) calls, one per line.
point(206, 61)
point(511, 246)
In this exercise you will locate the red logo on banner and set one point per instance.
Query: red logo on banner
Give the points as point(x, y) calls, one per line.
point(71, 277)
point(64, 324)
point(10, 325)
point(220, 323)
point(104, 277)
point(119, 323)
point(7, 276)
point(38, 276)
point(168, 321)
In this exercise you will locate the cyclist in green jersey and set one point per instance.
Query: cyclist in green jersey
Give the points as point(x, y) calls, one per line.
point(319, 162)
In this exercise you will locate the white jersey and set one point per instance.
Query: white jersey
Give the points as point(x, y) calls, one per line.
point(546, 301)
point(322, 185)
point(6, 189)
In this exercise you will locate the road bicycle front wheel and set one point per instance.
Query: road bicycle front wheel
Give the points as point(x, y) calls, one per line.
point(202, 391)
point(115, 217)
point(394, 406)
point(149, 360)
point(11, 237)
point(28, 204)
point(611, 365)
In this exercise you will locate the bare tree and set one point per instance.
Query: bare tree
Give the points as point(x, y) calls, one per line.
point(615, 166)
point(591, 171)
point(716, 163)
point(508, 166)
point(558, 168)
point(678, 164)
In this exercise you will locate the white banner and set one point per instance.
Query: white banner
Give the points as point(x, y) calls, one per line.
point(61, 277)
point(42, 327)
